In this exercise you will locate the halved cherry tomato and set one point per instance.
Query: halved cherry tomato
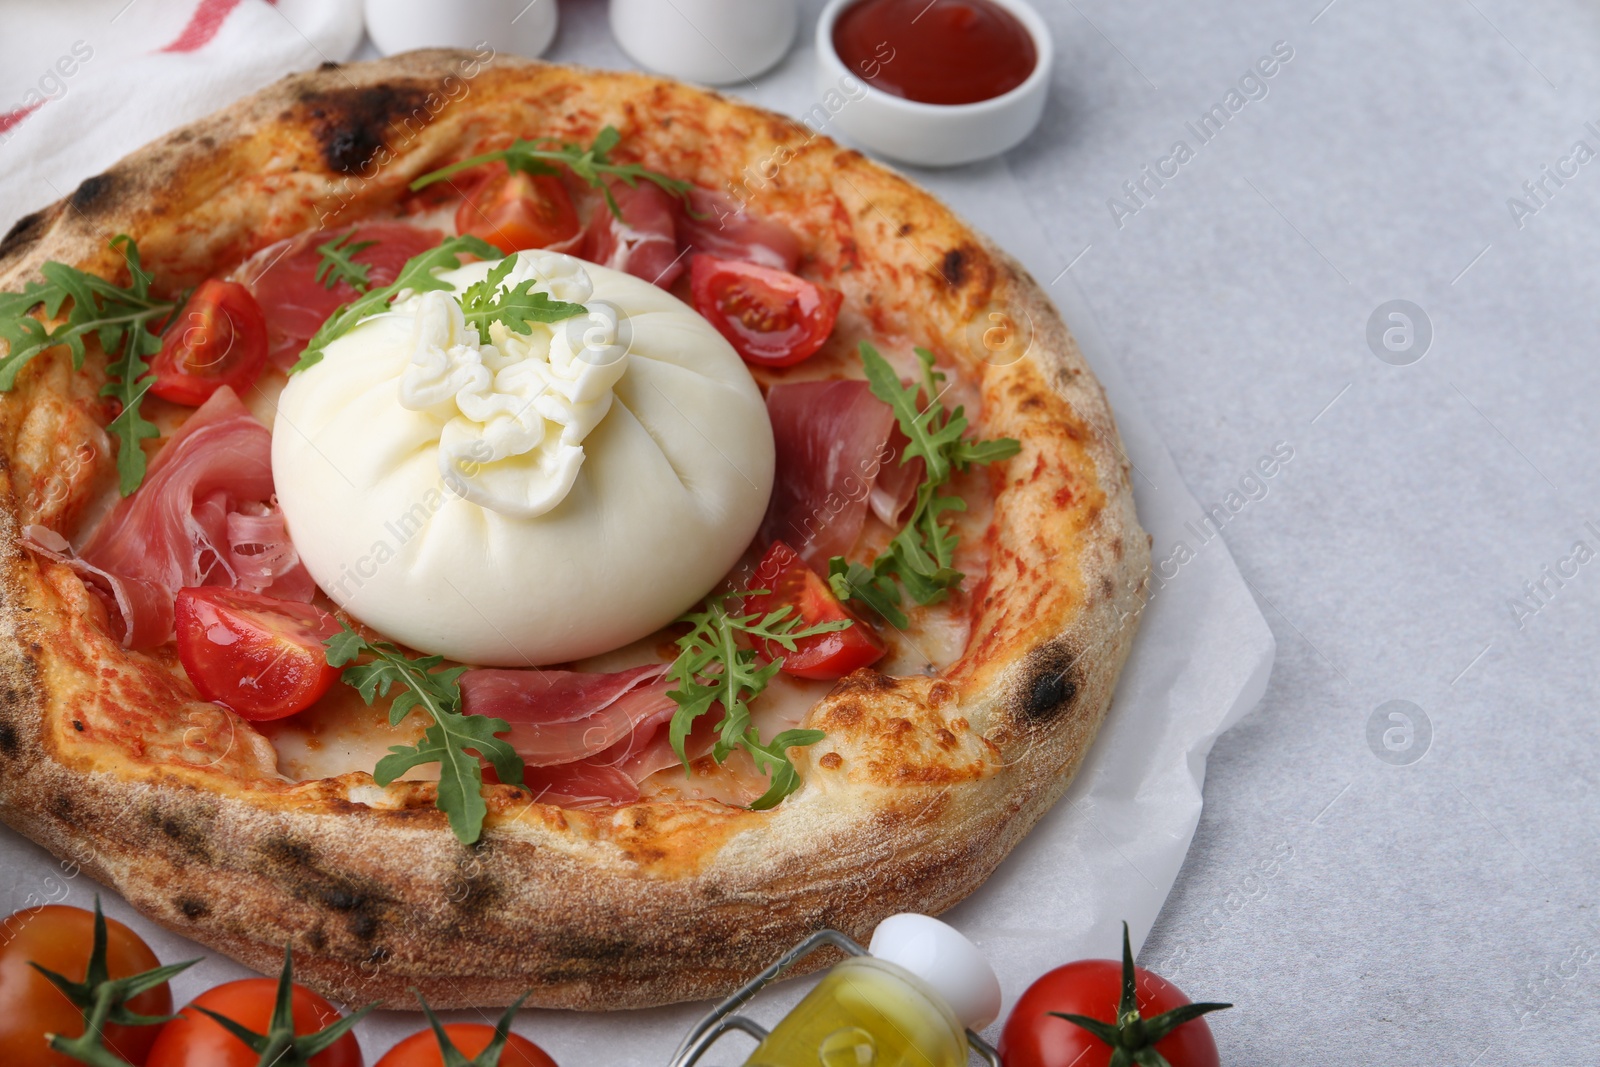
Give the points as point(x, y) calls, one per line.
point(422, 1049)
point(513, 211)
point(60, 938)
point(827, 656)
point(196, 1040)
point(258, 655)
point(219, 338)
point(773, 318)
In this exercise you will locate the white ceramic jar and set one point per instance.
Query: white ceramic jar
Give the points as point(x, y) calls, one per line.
point(933, 135)
point(713, 42)
point(514, 26)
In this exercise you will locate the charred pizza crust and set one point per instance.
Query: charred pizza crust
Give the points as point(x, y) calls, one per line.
point(923, 785)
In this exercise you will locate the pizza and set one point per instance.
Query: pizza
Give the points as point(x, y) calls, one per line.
point(495, 526)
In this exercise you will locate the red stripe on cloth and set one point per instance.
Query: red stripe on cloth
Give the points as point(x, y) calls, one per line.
point(9, 119)
point(204, 24)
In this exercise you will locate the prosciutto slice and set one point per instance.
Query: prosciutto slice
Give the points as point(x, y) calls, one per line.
point(283, 279)
point(613, 776)
point(644, 242)
point(262, 556)
point(838, 454)
point(897, 482)
point(587, 783)
point(719, 226)
point(204, 516)
point(585, 739)
point(562, 717)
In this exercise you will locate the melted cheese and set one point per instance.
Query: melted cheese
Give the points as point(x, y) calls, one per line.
point(340, 734)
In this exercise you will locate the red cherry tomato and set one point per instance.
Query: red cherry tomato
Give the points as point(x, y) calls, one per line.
point(258, 655)
point(60, 938)
point(196, 1040)
point(773, 318)
point(1034, 1038)
point(422, 1049)
point(219, 338)
point(513, 211)
point(826, 656)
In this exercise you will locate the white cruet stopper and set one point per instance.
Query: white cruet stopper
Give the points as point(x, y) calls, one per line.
point(945, 961)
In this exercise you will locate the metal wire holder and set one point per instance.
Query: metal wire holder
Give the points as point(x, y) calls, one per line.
point(722, 1018)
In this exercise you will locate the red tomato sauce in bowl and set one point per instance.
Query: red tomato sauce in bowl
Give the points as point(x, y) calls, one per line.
point(940, 51)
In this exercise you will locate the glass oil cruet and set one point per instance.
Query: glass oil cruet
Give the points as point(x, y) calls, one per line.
point(907, 1003)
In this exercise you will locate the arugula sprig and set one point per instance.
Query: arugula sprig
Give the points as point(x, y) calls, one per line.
point(104, 1001)
point(515, 306)
point(419, 275)
point(124, 319)
point(280, 1046)
point(454, 740)
point(715, 665)
point(545, 155)
point(919, 560)
point(872, 587)
point(337, 264)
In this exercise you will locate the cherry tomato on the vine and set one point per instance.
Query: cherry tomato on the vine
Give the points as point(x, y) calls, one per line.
point(1160, 1019)
point(422, 1049)
point(59, 938)
point(196, 1040)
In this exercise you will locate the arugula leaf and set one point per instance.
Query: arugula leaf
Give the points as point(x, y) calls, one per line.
point(785, 779)
point(930, 433)
point(857, 581)
point(589, 165)
point(417, 276)
point(924, 550)
point(122, 319)
point(967, 451)
point(337, 265)
point(454, 740)
point(515, 306)
point(130, 427)
point(716, 666)
point(920, 558)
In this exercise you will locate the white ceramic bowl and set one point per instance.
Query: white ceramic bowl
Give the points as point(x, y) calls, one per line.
point(516, 26)
point(712, 42)
point(933, 135)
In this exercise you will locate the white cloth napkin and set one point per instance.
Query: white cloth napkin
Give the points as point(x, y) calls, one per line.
point(85, 82)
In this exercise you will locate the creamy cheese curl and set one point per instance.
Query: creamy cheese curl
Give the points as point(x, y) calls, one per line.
point(534, 499)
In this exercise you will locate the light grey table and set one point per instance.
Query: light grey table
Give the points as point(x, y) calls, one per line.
point(1367, 889)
